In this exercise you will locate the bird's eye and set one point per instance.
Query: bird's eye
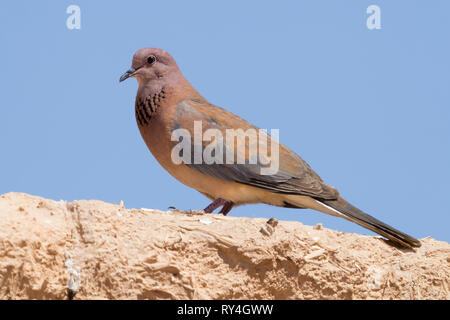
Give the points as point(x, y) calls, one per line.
point(151, 59)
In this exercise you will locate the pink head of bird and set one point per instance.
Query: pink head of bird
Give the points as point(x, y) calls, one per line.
point(150, 64)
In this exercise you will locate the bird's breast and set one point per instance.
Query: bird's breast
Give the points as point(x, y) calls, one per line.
point(147, 107)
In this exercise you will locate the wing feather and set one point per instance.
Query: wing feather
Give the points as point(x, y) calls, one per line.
point(293, 177)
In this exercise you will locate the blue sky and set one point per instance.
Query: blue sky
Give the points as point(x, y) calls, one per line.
point(369, 110)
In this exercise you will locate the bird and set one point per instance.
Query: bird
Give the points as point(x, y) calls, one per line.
point(166, 102)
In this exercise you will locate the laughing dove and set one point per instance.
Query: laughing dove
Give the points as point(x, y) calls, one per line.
point(169, 111)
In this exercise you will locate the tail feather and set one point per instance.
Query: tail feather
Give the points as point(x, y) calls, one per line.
point(353, 214)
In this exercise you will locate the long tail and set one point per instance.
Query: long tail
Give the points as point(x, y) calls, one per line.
point(353, 214)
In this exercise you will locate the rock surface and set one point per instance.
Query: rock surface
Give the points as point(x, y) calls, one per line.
point(104, 251)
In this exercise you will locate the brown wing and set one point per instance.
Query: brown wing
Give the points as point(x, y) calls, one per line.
point(294, 175)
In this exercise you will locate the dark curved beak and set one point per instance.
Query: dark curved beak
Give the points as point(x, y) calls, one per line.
point(127, 74)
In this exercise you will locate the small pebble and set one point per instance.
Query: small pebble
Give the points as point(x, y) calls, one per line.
point(273, 222)
point(204, 221)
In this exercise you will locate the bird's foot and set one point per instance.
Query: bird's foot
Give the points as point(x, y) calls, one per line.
point(226, 206)
point(214, 205)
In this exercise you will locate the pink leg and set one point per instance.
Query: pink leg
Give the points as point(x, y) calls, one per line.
point(214, 205)
point(226, 208)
